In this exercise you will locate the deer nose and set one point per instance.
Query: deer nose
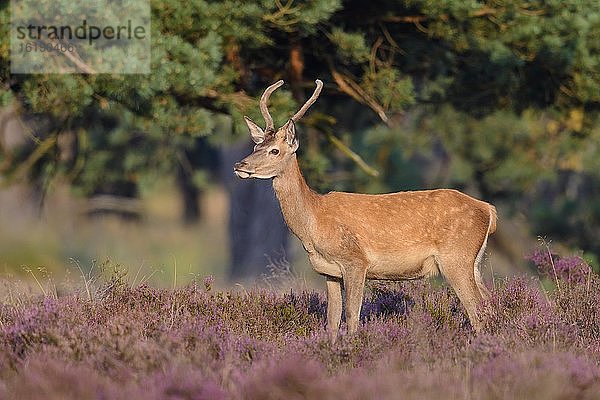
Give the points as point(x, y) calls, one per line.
point(240, 165)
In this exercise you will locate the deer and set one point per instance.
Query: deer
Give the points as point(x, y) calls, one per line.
point(351, 237)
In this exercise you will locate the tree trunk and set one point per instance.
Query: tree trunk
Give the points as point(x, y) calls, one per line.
point(256, 227)
point(190, 195)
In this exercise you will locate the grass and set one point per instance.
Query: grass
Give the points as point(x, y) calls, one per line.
point(153, 246)
point(117, 339)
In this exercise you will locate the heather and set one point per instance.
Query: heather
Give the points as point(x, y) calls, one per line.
point(113, 340)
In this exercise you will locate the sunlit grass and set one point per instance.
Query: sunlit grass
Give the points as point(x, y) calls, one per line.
point(150, 249)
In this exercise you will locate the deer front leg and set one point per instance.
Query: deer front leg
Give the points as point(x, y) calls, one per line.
point(334, 307)
point(354, 284)
point(332, 272)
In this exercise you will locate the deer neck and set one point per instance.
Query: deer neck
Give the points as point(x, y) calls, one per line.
point(297, 200)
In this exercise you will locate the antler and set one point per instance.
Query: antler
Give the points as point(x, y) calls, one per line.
point(309, 102)
point(267, 93)
point(263, 105)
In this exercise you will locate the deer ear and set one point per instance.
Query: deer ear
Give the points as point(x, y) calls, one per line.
point(290, 135)
point(256, 132)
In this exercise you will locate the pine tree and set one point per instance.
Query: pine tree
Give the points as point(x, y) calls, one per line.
point(502, 96)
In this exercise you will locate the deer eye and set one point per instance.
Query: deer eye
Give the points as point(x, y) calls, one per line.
point(274, 152)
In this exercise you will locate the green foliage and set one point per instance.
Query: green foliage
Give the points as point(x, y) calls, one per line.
point(392, 90)
point(501, 97)
point(351, 47)
point(129, 125)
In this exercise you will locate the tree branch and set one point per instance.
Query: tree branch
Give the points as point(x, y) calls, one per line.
point(26, 165)
point(354, 90)
point(73, 57)
point(353, 156)
point(415, 19)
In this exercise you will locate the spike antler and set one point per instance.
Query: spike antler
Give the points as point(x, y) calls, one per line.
point(309, 102)
point(263, 105)
point(265, 98)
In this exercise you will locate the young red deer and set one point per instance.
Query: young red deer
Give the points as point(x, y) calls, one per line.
point(351, 237)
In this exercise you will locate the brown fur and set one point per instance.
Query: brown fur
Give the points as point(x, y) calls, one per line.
point(350, 237)
point(404, 235)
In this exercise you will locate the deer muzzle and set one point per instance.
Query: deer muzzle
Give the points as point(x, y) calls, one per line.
point(241, 170)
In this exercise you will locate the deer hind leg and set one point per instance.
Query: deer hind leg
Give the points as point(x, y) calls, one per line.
point(460, 274)
point(354, 285)
point(334, 307)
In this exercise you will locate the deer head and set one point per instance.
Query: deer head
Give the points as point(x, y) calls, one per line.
point(274, 148)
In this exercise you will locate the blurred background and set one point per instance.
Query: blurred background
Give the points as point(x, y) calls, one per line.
point(499, 99)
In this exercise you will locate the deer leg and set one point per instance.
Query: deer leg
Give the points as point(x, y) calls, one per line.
point(461, 276)
point(334, 307)
point(354, 284)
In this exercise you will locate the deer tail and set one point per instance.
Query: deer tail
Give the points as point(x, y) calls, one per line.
point(491, 229)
